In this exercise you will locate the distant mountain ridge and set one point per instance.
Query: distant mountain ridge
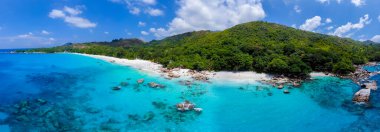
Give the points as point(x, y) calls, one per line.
point(115, 43)
point(369, 42)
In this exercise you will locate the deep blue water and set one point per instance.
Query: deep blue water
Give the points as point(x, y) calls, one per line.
point(65, 92)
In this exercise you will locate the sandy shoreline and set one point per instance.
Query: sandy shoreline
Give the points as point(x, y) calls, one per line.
point(154, 68)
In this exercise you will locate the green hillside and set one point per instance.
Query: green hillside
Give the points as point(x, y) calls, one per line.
point(255, 46)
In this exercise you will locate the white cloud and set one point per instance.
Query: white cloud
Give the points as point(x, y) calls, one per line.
point(194, 15)
point(311, 24)
point(29, 35)
point(324, 1)
point(57, 14)
point(106, 33)
point(376, 38)
point(378, 18)
point(72, 11)
point(297, 9)
point(330, 28)
point(28, 40)
point(136, 7)
point(134, 10)
point(70, 16)
point(142, 24)
point(340, 31)
point(149, 2)
point(45, 32)
point(79, 22)
point(144, 33)
point(160, 32)
point(355, 2)
point(358, 2)
point(328, 20)
point(155, 12)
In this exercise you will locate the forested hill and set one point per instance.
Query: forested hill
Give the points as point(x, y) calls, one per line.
point(255, 46)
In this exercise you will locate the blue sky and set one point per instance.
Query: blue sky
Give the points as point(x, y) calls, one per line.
point(46, 23)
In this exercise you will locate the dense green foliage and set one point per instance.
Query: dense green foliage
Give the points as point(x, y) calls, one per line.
point(257, 46)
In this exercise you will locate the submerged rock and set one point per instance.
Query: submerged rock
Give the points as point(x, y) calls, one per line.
point(124, 84)
point(198, 109)
point(185, 82)
point(116, 88)
point(153, 85)
point(149, 116)
point(159, 105)
point(134, 117)
point(41, 101)
point(156, 85)
point(92, 110)
point(23, 118)
point(286, 91)
point(140, 81)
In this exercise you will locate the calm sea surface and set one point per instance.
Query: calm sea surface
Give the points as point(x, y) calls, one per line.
point(66, 92)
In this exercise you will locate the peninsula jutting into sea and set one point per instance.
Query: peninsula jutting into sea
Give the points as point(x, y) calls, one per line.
point(222, 65)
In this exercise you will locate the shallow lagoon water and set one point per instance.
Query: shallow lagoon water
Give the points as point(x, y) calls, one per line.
point(66, 92)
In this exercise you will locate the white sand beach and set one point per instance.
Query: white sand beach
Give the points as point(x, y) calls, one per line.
point(154, 68)
point(142, 65)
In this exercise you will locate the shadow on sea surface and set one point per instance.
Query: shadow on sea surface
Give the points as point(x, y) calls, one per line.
point(77, 94)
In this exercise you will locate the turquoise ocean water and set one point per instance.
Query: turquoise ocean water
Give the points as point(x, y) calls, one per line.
point(66, 92)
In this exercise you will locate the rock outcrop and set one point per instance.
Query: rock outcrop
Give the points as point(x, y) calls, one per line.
point(140, 81)
point(362, 96)
point(155, 85)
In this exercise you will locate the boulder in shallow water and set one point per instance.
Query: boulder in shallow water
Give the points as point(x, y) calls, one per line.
point(185, 106)
point(362, 96)
point(286, 91)
point(116, 88)
point(198, 109)
point(124, 84)
point(172, 75)
point(153, 85)
point(371, 85)
point(140, 81)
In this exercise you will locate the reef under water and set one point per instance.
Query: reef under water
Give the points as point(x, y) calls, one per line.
point(66, 92)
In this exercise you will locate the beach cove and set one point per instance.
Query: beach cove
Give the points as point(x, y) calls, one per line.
point(74, 92)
